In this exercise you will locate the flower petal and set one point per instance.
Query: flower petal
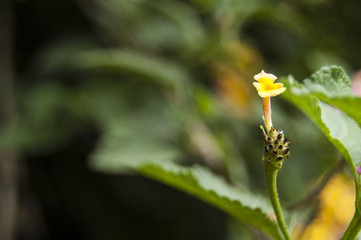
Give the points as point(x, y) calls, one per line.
point(257, 85)
point(265, 85)
point(271, 93)
point(263, 74)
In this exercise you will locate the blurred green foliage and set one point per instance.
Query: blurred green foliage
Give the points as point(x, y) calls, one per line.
point(168, 80)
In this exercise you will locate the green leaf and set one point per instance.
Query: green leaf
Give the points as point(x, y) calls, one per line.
point(201, 183)
point(342, 131)
point(185, 19)
point(333, 86)
point(330, 81)
point(129, 62)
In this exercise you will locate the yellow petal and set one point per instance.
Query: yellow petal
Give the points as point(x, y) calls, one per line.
point(265, 85)
point(257, 85)
point(278, 85)
point(264, 75)
point(272, 93)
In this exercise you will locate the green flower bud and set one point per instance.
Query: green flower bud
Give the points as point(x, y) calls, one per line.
point(277, 147)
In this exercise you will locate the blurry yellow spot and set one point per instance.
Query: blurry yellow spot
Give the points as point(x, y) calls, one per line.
point(245, 57)
point(336, 210)
point(232, 88)
point(265, 85)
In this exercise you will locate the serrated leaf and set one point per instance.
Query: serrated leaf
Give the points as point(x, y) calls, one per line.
point(330, 81)
point(338, 127)
point(203, 184)
point(333, 86)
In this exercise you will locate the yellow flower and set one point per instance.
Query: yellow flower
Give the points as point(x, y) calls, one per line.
point(265, 85)
point(331, 220)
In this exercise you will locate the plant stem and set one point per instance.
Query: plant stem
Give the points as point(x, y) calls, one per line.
point(353, 228)
point(271, 181)
point(267, 112)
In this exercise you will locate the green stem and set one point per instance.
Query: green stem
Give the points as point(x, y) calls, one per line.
point(271, 181)
point(353, 228)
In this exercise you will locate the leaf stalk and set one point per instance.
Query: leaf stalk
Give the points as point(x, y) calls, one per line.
point(353, 228)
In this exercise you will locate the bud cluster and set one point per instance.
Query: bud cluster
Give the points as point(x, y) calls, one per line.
point(277, 147)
